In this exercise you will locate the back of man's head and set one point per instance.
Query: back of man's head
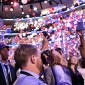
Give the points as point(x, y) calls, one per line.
point(23, 53)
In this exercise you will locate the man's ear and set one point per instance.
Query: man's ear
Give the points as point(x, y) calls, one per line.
point(33, 59)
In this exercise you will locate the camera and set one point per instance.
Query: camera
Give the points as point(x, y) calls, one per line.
point(46, 60)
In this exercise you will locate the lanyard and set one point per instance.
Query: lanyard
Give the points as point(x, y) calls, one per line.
point(28, 74)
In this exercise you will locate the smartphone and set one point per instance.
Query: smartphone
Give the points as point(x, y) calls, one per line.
point(79, 26)
point(46, 34)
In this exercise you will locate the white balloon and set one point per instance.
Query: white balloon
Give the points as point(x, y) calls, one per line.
point(24, 1)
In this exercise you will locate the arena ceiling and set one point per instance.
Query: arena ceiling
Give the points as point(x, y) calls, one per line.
point(18, 12)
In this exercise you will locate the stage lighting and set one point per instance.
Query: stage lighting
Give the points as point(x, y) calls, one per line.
point(27, 16)
point(11, 2)
point(22, 12)
point(21, 6)
point(15, 4)
point(45, 1)
point(11, 9)
point(24, 1)
point(35, 8)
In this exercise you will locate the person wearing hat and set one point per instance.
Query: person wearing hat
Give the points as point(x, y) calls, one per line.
point(7, 72)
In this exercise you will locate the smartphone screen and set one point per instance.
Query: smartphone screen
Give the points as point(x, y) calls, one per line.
point(80, 26)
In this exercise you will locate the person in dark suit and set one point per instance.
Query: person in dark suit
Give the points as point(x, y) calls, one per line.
point(49, 76)
point(7, 72)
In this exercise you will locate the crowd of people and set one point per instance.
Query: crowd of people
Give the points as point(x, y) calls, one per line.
point(39, 58)
point(42, 66)
point(58, 27)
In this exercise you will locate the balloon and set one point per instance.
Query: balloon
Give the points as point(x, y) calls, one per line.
point(53, 8)
point(8, 30)
point(4, 26)
point(24, 1)
point(6, 9)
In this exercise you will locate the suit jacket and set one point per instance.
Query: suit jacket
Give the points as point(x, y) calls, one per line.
point(49, 76)
point(2, 77)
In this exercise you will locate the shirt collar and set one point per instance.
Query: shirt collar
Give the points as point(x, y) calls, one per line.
point(32, 73)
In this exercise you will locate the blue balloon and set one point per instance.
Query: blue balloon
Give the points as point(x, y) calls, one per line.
point(8, 30)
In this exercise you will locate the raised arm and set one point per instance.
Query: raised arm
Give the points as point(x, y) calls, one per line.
point(82, 45)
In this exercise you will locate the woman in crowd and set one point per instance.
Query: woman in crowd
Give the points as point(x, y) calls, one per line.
point(75, 75)
point(59, 75)
point(81, 69)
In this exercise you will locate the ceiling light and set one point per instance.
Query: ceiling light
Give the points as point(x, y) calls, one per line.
point(21, 6)
point(45, 1)
point(15, 4)
point(11, 9)
point(24, 1)
point(35, 8)
point(11, 2)
point(22, 12)
point(27, 16)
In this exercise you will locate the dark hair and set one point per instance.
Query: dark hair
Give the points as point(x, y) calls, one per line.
point(59, 50)
point(48, 54)
point(69, 62)
point(23, 53)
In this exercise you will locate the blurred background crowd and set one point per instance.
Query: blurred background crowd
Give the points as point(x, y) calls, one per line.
point(53, 30)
